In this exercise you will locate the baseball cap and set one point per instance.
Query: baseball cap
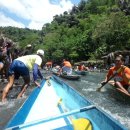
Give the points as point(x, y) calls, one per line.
point(40, 52)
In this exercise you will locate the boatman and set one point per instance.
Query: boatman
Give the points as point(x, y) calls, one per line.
point(82, 67)
point(121, 76)
point(49, 65)
point(21, 67)
point(66, 67)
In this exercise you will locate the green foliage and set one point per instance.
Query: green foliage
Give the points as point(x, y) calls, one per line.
point(93, 28)
point(114, 32)
point(21, 36)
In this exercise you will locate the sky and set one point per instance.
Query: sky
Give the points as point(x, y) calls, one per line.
point(32, 14)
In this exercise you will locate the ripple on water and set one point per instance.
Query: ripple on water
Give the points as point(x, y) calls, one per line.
point(108, 99)
point(8, 109)
point(123, 119)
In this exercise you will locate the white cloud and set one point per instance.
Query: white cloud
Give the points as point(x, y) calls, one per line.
point(16, 7)
point(35, 25)
point(38, 12)
point(6, 21)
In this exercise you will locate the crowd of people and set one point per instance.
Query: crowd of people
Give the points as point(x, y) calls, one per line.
point(65, 68)
point(5, 57)
point(81, 67)
point(14, 65)
point(119, 73)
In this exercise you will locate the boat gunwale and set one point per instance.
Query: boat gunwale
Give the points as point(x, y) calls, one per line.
point(106, 115)
point(98, 108)
point(36, 91)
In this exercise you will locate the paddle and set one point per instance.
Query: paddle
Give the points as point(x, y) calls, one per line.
point(78, 124)
point(99, 89)
point(62, 115)
point(119, 70)
point(81, 124)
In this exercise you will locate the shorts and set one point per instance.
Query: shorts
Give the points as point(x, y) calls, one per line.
point(18, 68)
point(67, 70)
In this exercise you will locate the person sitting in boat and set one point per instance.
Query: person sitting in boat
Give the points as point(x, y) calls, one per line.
point(66, 67)
point(21, 67)
point(49, 65)
point(56, 68)
point(121, 76)
point(82, 67)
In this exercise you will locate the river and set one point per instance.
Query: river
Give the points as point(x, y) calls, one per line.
point(108, 99)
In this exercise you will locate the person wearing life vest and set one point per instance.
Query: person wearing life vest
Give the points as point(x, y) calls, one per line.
point(67, 67)
point(122, 77)
point(49, 65)
point(21, 67)
point(82, 67)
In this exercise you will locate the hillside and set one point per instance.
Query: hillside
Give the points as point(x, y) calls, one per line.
point(88, 31)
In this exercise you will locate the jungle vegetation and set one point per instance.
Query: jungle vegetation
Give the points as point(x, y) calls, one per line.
point(88, 31)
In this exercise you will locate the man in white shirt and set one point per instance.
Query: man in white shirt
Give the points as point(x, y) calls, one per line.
point(21, 67)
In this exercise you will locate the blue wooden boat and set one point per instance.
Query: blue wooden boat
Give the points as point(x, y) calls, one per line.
point(57, 106)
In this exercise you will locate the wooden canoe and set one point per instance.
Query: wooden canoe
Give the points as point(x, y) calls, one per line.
point(81, 72)
point(70, 77)
point(57, 106)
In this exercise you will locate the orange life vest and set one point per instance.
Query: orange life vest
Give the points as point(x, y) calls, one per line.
point(49, 64)
point(123, 76)
point(81, 67)
point(67, 64)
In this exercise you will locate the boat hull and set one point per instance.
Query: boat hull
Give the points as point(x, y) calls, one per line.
point(81, 72)
point(70, 77)
point(57, 99)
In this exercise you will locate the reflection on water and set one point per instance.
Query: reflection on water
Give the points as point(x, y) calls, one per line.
point(108, 100)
